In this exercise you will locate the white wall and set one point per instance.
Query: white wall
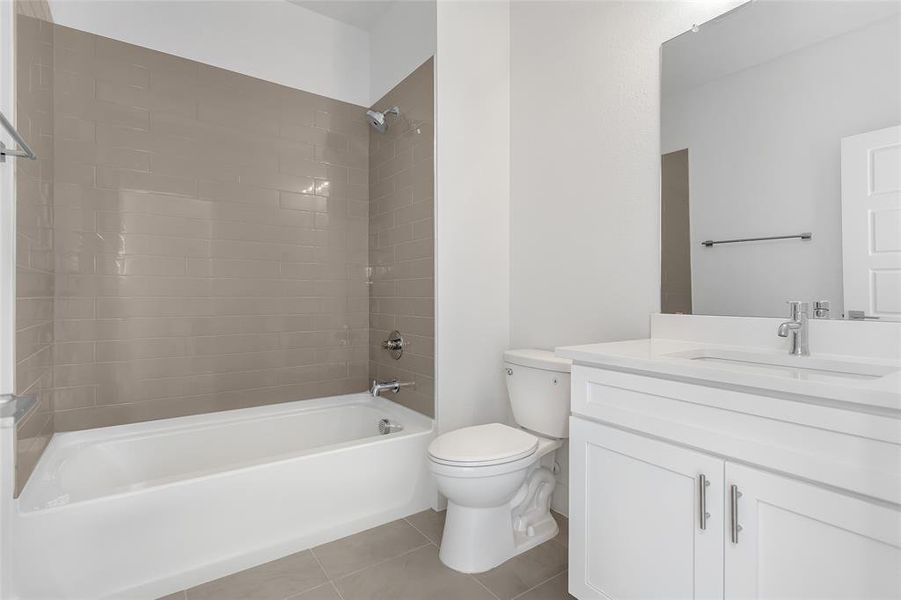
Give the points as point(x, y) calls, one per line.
point(585, 166)
point(472, 211)
point(402, 39)
point(585, 170)
point(268, 39)
point(765, 159)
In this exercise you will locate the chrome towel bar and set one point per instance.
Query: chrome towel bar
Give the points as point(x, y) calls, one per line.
point(25, 152)
point(14, 409)
point(801, 236)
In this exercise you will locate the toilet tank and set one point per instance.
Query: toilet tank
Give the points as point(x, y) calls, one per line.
point(538, 387)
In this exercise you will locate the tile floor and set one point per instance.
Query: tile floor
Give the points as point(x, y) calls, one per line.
point(396, 561)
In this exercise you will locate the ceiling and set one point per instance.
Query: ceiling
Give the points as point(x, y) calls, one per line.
point(362, 14)
point(758, 32)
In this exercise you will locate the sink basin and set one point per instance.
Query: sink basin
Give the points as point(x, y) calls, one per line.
point(794, 367)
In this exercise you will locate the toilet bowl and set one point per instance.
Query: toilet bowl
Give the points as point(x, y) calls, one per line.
point(498, 479)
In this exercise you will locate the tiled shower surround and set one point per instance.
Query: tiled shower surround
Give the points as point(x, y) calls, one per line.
point(34, 235)
point(211, 235)
point(194, 240)
point(401, 239)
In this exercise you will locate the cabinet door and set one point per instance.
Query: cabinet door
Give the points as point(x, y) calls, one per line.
point(797, 540)
point(636, 529)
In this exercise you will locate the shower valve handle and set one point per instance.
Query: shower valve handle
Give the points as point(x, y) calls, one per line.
point(393, 344)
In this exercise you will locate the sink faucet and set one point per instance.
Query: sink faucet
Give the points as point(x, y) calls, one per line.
point(379, 387)
point(797, 328)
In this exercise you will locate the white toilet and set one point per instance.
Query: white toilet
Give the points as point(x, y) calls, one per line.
point(498, 479)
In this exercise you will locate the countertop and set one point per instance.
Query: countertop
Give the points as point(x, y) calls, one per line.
point(677, 359)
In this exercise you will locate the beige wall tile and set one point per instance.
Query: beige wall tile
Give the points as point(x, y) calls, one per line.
point(190, 277)
point(402, 290)
point(675, 267)
point(174, 276)
point(35, 278)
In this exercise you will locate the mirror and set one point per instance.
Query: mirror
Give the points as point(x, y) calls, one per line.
point(781, 161)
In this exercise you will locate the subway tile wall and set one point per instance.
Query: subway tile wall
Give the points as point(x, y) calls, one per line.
point(401, 239)
point(34, 234)
point(38, 9)
point(211, 235)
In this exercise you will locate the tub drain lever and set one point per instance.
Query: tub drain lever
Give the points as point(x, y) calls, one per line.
point(387, 426)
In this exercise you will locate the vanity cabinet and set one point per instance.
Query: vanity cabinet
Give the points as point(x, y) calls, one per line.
point(636, 529)
point(799, 540)
point(642, 450)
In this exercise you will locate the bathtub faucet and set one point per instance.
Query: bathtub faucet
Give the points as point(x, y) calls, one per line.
point(378, 387)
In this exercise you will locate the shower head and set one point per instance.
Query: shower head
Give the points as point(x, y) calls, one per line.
point(378, 120)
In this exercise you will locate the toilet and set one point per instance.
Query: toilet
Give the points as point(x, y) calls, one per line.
point(498, 479)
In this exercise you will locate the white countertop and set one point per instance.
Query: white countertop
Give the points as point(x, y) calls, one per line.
point(661, 357)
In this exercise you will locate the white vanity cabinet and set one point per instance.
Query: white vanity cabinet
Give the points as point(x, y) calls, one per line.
point(636, 529)
point(641, 448)
point(799, 540)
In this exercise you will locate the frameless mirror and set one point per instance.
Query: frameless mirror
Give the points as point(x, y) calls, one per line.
point(781, 161)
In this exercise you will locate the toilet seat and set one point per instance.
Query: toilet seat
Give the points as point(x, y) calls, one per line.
point(482, 446)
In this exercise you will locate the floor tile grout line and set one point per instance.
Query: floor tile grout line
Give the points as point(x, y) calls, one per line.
point(427, 542)
point(382, 561)
point(418, 530)
point(324, 572)
point(422, 533)
point(487, 589)
point(470, 575)
point(299, 594)
point(540, 584)
point(319, 562)
point(559, 543)
point(473, 577)
point(337, 591)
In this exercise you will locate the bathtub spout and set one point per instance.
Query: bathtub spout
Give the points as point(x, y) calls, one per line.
point(379, 387)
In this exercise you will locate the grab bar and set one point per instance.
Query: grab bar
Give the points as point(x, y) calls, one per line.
point(801, 236)
point(25, 152)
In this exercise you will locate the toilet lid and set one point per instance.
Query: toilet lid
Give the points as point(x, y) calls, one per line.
point(483, 445)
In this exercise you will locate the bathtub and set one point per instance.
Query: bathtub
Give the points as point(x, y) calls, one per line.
point(147, 509)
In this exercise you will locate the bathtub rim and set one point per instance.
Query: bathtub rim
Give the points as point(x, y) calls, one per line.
point(415, 424)
point(237, 414)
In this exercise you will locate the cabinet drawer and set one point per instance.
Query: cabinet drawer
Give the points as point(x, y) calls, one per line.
point(849, 450)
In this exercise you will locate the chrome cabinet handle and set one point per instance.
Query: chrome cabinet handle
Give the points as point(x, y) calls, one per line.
point(734, 495)
point(703, 515)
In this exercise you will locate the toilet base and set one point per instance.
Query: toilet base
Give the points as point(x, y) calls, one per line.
point(478, 539)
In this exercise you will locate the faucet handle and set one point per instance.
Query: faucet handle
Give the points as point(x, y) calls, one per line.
point(797, 307)
point(821, 309)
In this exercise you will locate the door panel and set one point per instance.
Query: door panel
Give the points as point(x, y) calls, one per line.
point(636, 527)
point(871, 222)
point(800, 541)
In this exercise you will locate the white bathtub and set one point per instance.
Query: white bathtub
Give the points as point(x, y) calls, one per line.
point(146, 509)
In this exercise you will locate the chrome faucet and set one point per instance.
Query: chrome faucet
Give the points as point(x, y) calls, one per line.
point(797, 328)
point(379, 387)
